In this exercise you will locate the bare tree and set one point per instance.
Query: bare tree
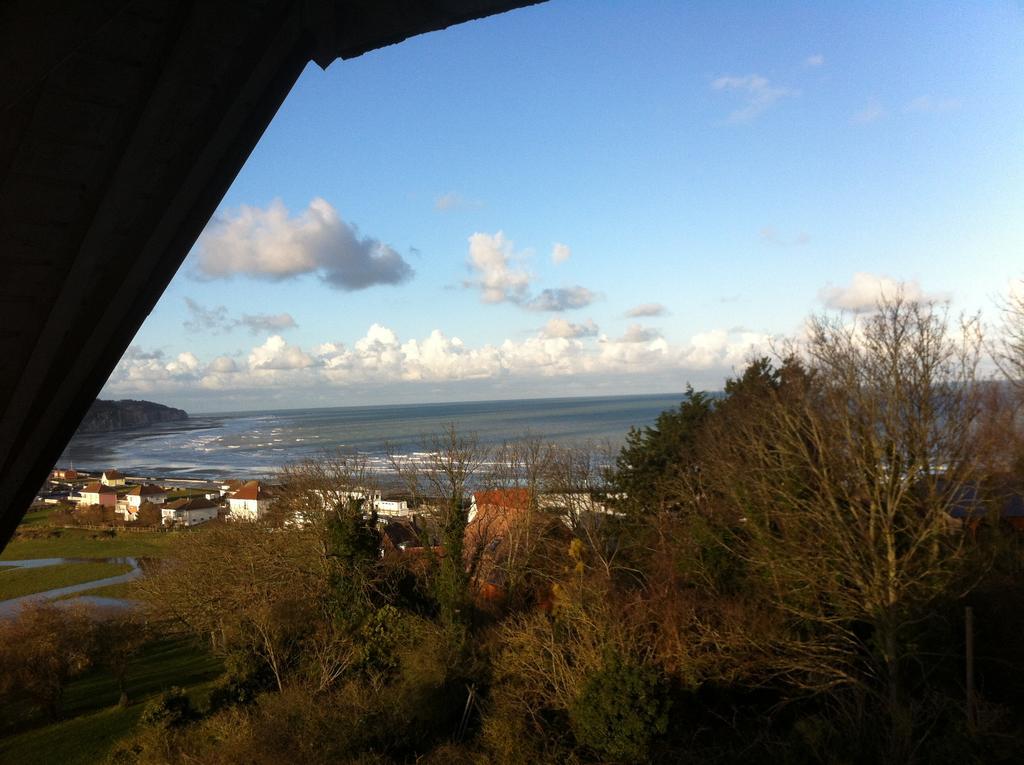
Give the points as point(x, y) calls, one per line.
point(844, 491)
point(439, 479)
point(1008, 349)
point(579, 480)
point(249, 587)
point(329, 487)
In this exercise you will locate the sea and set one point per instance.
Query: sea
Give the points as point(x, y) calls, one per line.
point(258, 444)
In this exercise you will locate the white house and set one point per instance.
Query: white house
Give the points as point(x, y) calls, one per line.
point(574, 506)
point(112, 478)
point(96, 493)
point(146, 493)
point(250, 502)
point(188, 512)
point(393, 508)
point(370, 497)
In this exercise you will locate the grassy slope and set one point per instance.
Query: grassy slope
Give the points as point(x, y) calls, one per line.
point(15, 582)
point(83, 543)
point(83, 740)
point(94, 721)
point(37, 515)
point(123, 590)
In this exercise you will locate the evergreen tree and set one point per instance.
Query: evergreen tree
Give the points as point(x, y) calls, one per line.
point(654, 463)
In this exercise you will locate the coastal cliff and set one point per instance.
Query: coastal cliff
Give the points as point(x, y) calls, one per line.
point(107, 416)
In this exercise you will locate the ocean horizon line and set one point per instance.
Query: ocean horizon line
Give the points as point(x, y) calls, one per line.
point(236, 412)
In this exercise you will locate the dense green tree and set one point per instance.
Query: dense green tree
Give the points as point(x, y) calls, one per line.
point(622, 709)
point(654, 463)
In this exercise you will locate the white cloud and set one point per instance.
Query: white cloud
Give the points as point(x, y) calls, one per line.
point(636, 333)
point(563, 328)
point(498, 274)
point(501, 278)
point(865, 290)
point(759, 93)
point(647, 309)
point(815, 61)
point(932, 105)
point(223, 365)
point(439, 357)
point(271, 244)
point(872, 112)
point(720, 348)
point(560, 253)
point(561, 299)
point(381, 358)
point(184, 365)
point(276, 354)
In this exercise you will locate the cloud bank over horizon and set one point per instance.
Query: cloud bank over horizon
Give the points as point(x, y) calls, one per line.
point(381, 358)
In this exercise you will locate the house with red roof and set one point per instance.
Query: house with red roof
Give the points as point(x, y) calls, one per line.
point(250, 502)
point(189, 512)
point(147, 492)
point(112, 478)
point(131, 501)
point(505, 528)
point(95, 493)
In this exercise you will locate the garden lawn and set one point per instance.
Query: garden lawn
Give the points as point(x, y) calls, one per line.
point(85, 739)
point(15, 582)
point(123, 590)
point(38, 515)
point(85, 543)
point(94, 722)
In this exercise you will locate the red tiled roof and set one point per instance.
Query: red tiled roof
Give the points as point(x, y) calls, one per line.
point(97, 488)
point(251, 490)
point(196, 503)
point(112, 474)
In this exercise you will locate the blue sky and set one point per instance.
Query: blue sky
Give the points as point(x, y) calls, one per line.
point(726, 168)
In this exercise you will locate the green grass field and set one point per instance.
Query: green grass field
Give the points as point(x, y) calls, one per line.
point(122, 590)
point(15, 582)
point(94, 723)
point(84, 543)
point(38, 515)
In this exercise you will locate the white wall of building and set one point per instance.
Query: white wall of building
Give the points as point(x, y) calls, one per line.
point(248, 509)
point(188, 517)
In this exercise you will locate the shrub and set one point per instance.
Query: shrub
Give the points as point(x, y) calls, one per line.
point(621, 710)
point(170, 709)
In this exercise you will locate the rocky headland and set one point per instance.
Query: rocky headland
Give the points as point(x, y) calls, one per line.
point(108, 416)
